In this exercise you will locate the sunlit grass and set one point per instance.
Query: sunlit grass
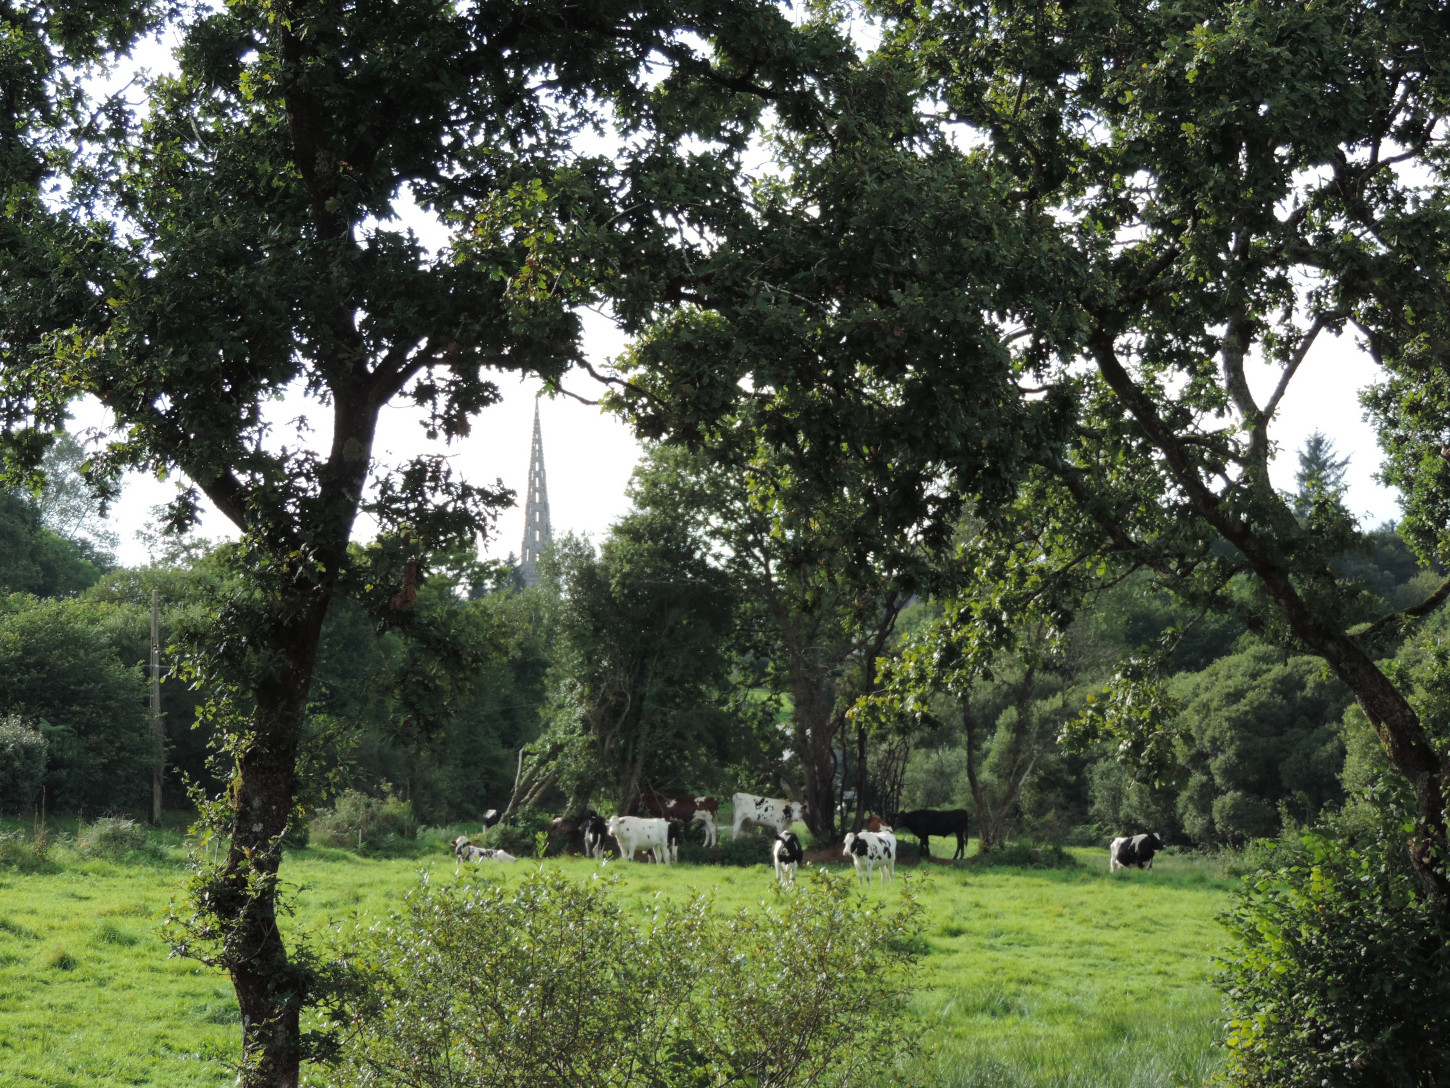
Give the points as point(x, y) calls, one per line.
point(1064, 977)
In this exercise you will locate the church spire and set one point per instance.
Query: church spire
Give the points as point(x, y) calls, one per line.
point(536, 510)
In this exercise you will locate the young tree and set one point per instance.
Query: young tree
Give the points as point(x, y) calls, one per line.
point(237, 239)
point(640, 636)
point(1321, 475)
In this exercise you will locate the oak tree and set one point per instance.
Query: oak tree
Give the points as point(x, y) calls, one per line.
point(193, 248)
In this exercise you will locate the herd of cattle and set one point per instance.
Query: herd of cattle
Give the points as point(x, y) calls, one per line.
point(659, 834)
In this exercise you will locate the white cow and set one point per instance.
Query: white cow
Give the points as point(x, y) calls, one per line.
point(466, 851)
point(867, 849)
point(639, 833)
point(768, 812)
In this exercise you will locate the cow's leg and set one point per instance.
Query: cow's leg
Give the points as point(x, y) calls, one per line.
point(926, 846)
point(961, 846)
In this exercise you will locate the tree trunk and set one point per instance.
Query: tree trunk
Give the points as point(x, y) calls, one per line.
point(271, 989)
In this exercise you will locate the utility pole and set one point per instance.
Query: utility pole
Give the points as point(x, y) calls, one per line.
point(158, 737)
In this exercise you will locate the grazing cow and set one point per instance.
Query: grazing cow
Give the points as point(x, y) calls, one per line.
point(1136, 851)
point(867, 849)
point(926, 822)
point(875, 823)
point(595, 832)
point(466, 851)
point(490, 818)
point(638, 833)
point(768, 812)
point(677, 806)
point(787, 854)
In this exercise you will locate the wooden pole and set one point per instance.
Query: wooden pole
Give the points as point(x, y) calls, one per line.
point(158, 736)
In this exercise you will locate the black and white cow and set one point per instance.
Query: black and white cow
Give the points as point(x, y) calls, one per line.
point(466, 851)
point(867, 849)
point(926, 822)
point(638, 833)
point(674, 832)
point(595, 832)
point(787, 854)
point(1135, 851)
point(768, 812)
point(490, 818)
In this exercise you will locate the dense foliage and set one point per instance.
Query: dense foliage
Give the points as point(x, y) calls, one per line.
point(546, 979)
point(1342, 974)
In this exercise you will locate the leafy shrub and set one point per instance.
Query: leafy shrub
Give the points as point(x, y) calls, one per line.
point(520, 835)
point(114, 837)
point(22, 764)
point(357, 819)
point(749, 849)
point(1342, 972)
point(550, 980)
point(1021, 854)
point(27, 853)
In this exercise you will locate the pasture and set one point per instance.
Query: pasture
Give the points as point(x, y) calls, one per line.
point(1030, 976)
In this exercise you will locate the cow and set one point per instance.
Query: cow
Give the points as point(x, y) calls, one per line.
point(638, 833)
point(875, 823)
point(926, 822)
point(673, 834)
point(1134, 851)
point(867, 849)
point(676, 806)
point(595, 832)
point(466, 851)
point(787, 854)
point(490, 818)
point(768, 812)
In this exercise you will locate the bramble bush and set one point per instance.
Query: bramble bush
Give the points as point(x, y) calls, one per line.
point(543, 979)
point(355, 818)
point(1342, 974)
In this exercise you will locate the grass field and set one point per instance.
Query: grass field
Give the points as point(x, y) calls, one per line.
point(1030, 976)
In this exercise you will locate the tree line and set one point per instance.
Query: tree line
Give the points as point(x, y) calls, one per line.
point(667, 658)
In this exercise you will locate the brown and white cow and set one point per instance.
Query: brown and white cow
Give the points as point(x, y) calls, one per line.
point(686, 809)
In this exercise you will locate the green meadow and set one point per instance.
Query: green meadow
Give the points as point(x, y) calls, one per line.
point(1031, 976)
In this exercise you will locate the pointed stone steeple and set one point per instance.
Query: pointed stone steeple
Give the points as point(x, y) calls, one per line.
point(536, 510)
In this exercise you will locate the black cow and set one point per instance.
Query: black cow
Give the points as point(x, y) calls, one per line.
point(1136, 851)
point(926, 822)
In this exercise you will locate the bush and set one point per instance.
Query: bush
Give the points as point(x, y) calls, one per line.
point(1342, 972)
point(550, 980)
point(114, 837)
point(520, 835)
point(749, 849)
point(358, 820)
point(22, 764)
point(24, 852)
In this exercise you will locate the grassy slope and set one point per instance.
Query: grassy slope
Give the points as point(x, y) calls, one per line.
point(1034, 977)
